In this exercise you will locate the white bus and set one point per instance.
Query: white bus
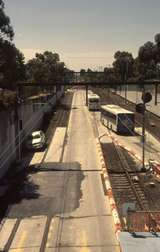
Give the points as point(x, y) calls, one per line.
point(118, 119)
point(90, 92)
point(93, 102)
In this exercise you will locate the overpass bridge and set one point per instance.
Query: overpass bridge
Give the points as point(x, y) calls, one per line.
point(89, 79)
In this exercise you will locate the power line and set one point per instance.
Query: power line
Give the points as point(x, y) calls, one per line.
point(36, 118)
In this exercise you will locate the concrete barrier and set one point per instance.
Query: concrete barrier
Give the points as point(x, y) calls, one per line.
point(108, 188)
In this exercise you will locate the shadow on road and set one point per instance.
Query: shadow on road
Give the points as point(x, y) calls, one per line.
point(45, 190)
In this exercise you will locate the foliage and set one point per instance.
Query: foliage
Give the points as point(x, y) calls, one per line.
point(123, 65)
point(6, 30)
point(45, 67)
point(12, 66)
point(7, 98)
point(148, 57)
point(109, 74)
point(157, 39)
point(146, 66)
point(147, 52)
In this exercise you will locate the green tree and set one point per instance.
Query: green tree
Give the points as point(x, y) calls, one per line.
point(6, 30)
point(123, 65)
point(45, 67)
point(109, 74)
point(147, 52)
point(12, 66)
point(157, 46)
point(147, 60)
point(157, 39)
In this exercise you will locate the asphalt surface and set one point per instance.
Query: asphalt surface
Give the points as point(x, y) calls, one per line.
point(60, 205)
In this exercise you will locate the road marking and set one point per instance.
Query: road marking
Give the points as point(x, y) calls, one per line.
point(29, 234)
point(52, 233)
point(21, 242)
point(6, 229)
point(84, 241)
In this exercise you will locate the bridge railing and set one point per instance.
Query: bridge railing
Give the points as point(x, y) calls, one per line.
point(87, 77)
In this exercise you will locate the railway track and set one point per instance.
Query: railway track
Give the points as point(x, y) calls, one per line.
point(119, 100)
point(128, 182)
point(125, 180)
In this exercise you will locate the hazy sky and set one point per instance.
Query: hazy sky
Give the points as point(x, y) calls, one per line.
point(86, 33)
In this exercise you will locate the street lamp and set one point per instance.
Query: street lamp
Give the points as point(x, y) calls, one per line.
point(141, 108)
point(127, 61)
point(158, 70)
point(156, 85)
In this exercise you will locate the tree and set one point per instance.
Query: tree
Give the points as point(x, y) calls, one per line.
point(12, 67)
point(109, 74)
point(6, 30)
point(147, 60)
point(157, 39)
point(11, 59)
point(147, 52)
point(123, 65)
point(157, 46)
point(45, 67)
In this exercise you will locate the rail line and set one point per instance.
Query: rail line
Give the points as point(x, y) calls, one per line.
point(125, 180)
point(133, 180)
point(119, 100)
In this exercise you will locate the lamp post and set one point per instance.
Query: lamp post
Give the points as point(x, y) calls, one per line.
point(18, 123)
point(141, 108)
point(143, 130)
point(156, 85)
point(126, 77)
point(146, 97)
point(127, 61)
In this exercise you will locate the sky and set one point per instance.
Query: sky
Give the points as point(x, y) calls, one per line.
point(85, 33)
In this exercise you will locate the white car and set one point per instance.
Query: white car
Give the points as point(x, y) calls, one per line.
point(36, 140)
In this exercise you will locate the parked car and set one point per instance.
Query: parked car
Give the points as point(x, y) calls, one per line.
point(36, 140)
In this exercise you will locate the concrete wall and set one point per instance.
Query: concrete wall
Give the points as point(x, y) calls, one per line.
point(30, 115)
point(7, 140)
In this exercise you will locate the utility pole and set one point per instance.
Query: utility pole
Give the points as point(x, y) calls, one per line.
point(146, 97)
point(156, 92)
point(86, 94)
point(18, 124)
point(141, 108)
point(156, 85)
point(143, 130)
point(126, 77)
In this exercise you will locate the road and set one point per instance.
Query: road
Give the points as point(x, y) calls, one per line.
point(60, 205)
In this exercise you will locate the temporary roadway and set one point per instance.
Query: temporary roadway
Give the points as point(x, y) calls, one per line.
point(60, 205)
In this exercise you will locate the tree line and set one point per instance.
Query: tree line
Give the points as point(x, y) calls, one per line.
point(146, 66)
point(44, 67)
point(47, 66)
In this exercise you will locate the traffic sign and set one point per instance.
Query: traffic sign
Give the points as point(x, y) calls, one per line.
point(146, 97)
